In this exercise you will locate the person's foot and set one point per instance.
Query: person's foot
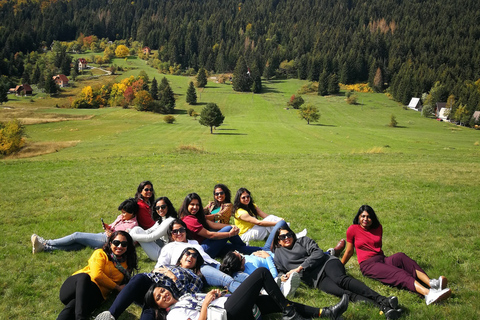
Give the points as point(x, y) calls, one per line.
point(38, 243)
point(291, 314)
point(105, 315)
point(437, 295)
point(291, 285)
point(339, 247)
point(439, 284)
point(392, 313)
point(302, 233)
point(337, 310)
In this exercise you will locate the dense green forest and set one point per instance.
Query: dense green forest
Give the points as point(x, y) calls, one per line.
point(405, 46)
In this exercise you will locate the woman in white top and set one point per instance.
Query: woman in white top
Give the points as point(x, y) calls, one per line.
point(153, 239)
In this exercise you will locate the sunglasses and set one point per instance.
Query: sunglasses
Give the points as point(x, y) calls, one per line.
point(148, 189)
point(241, 255)
point(163, 206)
point(221, 193)
point(245, 197)
point(193, 254)
point(118, 243)
point(178, 231)
point(285, 236)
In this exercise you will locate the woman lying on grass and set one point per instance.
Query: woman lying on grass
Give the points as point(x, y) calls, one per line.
point(108, 269)
point(183, 278)
point(239, 305)
point(398, 270)
point(224, 238)
point(79, 240)
point(152, 240)
point(324, 272)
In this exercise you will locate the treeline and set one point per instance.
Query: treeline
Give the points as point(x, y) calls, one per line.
point(406, 46)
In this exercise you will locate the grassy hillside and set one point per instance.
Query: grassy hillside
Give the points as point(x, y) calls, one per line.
point(421, 178)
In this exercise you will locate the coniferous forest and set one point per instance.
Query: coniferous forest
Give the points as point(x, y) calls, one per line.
point(406, 47)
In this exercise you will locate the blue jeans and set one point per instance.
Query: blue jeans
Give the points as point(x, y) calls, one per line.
point(217, 278)
point(216, 247)
point(77, 241)
point(271, 236)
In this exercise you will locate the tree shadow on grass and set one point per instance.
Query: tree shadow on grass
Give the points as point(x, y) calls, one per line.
point(266, 89)
point(229, 134)
point(321, 125)
point(179, 111)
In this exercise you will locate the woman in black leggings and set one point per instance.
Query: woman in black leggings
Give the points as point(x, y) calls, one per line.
point(238, 305)
point(324, 272)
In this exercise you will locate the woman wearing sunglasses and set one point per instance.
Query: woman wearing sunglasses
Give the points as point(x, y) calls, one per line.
point(108, 269)
point(213, 242)
point(145, 197)
point(79, 240)
point(324, 272)
point(239, 305)
point(398, 270)
point(152, 240)
point(183, 278)
point(179, 239)
point(221, 208)
point(254, 224)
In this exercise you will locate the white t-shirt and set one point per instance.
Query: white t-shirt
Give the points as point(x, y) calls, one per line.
point(189, 306)
point(172, 251)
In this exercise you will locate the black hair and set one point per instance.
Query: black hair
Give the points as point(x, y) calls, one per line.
point(171, 212)
point(130, 205)
point(231, 263)
point(250, 208)
point(131, 253)
point(170, 228)
point(183, 211)
point(160, 314)
point(275, 243)
point(228, 195)
point(371, 213)
point(198, 263)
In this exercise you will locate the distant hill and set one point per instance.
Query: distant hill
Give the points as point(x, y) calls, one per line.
point(419, 42)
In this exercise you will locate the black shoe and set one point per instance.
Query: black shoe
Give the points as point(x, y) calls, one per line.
point(392, 313)
point(291, 314)
point(388, 302)
point(337, 310)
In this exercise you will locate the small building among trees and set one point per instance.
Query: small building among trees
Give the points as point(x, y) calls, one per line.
point(22, 90)
point(415, 104)
point(146, 51)
point(61, 80)
point(82, 64)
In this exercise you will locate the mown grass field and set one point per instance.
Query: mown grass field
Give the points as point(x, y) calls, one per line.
point(421, 178)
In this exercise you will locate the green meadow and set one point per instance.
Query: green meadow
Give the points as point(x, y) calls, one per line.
point(422, 179)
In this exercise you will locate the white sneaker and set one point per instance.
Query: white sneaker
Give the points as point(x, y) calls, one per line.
point(291, 285)
point(439, 284)
point(437, 295)
point(38, 243)
point(105, 315)
point(302, 233)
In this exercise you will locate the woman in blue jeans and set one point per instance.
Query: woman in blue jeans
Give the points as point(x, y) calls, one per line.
point(178, 235)
point(223, 239)
point(183, 278)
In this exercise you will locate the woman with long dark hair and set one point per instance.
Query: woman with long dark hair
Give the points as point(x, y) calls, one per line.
point(398, 270)
point(213, 242)
point(153, 239)
point(182, 278)
point(324, 272)
point(145, 197)
point(239, 305)
point(108, 269)
point(220, 209)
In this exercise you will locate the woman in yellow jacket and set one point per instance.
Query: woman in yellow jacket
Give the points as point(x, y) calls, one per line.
point(108, 269)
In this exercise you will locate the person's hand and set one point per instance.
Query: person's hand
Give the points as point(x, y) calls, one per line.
point(167, 272)
point(108, 232)
point(211, 295)
point(261, 254)
point(233, 232)
point(119, 288)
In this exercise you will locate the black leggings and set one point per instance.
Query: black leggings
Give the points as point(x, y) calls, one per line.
point(239, 305)
point(80, 296)
point(335, 281)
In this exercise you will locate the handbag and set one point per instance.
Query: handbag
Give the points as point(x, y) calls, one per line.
point(216, 313)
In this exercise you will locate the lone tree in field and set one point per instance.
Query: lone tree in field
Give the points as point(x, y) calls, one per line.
point(191, 94)
point(122, 51)
point(211, 116)
point(309, 113)
point(201, 78)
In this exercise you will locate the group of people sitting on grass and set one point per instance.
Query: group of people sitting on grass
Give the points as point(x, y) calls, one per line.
point(255, 280)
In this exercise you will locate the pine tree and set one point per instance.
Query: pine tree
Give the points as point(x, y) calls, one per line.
point(211, 116)
point(167, 99)
point(191, 94)
point(333, 87)
point(323, 83)
point(201, 78)
point(3, 93)
point(154, 89)
point(242, 81)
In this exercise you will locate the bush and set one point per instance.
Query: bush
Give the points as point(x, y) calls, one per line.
point(169, 119)
point(12, 137)
point(393, 121)
point(295, 102)
point(190, 112)
point(351, 98)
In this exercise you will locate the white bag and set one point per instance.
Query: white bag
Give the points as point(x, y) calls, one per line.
point(216, 313)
